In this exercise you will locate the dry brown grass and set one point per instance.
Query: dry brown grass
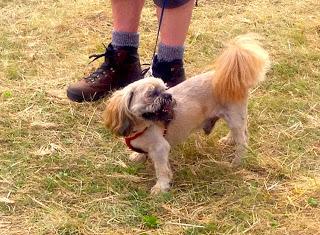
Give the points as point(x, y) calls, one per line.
point(61, 172)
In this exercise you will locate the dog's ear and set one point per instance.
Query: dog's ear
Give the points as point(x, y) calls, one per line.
point(116, 115)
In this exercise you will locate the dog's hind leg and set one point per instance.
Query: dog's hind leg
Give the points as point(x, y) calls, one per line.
point(236, 118)
point(159, 154)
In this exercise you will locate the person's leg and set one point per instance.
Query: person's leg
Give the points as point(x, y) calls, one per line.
point(168, 63)
point(175, 24)
point(122, 64)
point(126, 17)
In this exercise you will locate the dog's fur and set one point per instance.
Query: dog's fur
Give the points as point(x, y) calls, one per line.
point(200, 102)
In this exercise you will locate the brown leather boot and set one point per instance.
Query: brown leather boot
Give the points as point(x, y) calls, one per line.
point(121, 67)
point(172, 73)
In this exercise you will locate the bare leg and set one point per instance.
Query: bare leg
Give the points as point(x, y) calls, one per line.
point(126, 15)
point(160, 157)
point(175, 24)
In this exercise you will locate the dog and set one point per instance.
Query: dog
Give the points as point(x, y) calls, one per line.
point(154, 118)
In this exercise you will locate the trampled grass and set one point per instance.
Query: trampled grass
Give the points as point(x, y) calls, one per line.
point(61, 172)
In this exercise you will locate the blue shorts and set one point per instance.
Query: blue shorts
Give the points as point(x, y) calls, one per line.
point(170, 3)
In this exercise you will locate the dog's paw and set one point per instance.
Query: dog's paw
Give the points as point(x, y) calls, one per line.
point(160, 187)
point(227, 140)
point(240, 151)
point(138, 157)
point(236, 162)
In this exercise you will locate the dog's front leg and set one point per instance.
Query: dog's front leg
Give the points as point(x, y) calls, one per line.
point(159, 154)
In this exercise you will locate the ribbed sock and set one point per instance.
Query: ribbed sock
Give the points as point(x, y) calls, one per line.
point(170, 53)
point(121, 39)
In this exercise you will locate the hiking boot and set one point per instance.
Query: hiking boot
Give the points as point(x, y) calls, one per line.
point(172, 73)
point(121, 66)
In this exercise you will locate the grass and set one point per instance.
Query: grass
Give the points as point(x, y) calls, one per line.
point(61, 172)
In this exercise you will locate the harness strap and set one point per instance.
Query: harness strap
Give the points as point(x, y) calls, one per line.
point(128, 139)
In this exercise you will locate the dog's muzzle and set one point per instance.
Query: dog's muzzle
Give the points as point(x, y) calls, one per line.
point(161, 109)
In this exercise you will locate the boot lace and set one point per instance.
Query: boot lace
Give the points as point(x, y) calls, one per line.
point(105, 67)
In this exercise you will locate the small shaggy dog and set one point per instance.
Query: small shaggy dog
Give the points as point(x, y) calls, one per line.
point(154, 118)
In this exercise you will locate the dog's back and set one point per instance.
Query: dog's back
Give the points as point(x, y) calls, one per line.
point(205, 97)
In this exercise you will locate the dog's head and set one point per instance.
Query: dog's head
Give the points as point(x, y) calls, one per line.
point(142, 101)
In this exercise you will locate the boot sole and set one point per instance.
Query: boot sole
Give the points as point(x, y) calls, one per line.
point(81, 98)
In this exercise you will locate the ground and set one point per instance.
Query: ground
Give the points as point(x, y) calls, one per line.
point(62, 172)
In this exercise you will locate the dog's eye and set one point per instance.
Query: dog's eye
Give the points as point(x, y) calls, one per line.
point(153, 93)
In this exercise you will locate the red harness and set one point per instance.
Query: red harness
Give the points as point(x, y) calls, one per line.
point(128, 140)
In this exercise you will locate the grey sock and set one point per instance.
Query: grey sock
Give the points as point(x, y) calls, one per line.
point(121, 39)
point(169, 53)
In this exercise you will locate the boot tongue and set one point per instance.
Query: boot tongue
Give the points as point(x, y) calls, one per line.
point(109, 54)
point(125, 55)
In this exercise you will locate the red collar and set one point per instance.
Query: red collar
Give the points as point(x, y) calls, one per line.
point(128, 139)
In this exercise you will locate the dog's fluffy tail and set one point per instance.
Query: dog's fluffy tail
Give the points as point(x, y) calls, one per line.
point(240, 66)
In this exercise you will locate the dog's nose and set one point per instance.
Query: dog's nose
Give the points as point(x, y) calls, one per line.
point(167, 96)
